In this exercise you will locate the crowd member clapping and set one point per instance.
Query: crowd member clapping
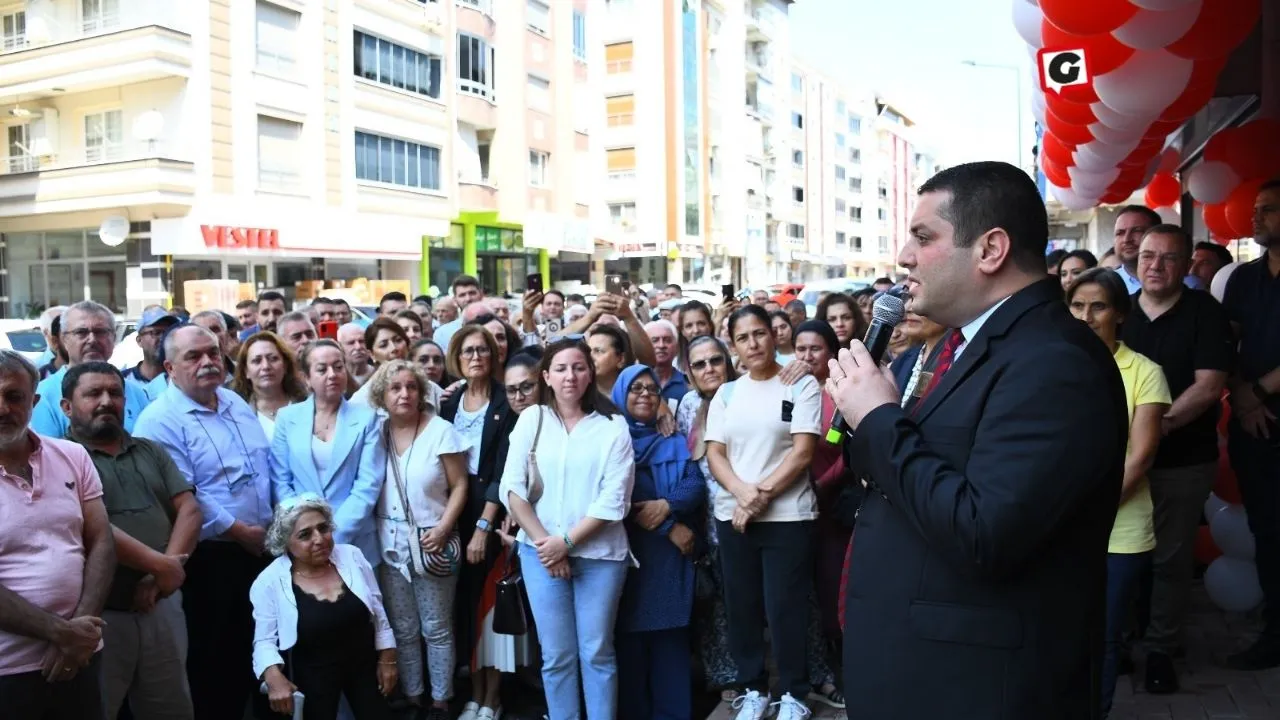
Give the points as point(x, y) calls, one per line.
point(219, 447)
point(328, 446)
point(267, 378)
point(1100, 299)
point(761, 434)
point(567, 482)
point(654, 666)
point(417, 519)
point(319, 605)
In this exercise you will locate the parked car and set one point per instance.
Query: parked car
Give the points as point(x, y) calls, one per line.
point(23, 336)
point(812, 290)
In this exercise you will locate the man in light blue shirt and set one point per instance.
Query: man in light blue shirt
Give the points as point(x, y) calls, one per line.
point(88, 333)
point(466, 290)
point(219, 447)
point(1132, 223)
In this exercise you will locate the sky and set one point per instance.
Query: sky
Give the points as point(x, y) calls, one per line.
point(912, 53)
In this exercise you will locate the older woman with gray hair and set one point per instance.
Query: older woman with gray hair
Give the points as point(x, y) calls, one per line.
point(319, 625)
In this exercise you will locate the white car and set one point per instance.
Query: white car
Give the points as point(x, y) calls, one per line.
point(23, 336)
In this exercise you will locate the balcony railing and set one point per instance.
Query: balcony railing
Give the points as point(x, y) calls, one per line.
point(484, 6)
point(41, 30)
point(110, 152)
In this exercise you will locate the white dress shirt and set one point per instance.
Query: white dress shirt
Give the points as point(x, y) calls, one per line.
point(585, 473)
point(970, 331)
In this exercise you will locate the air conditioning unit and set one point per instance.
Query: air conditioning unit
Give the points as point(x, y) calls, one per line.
point(44, 133)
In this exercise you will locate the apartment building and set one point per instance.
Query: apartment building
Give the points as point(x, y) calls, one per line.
point(692, 131)
point(331, 139)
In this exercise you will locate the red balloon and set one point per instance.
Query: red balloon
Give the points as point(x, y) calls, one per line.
point(1219, 29)
point(1072, 112)
point(1163, 191)
point(1054, 172)
point(1065, 130)
point(1114, 197)
point(1225, 416)
point(1253, 150)
point(1102, 52)
point(1225, 486)
point(1206, 550)
point(1087, 17)
point(1215, 149)
point(1059, 152)
point(1239, 207)
point(1215, 218)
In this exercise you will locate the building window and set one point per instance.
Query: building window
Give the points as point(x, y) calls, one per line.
point(277, 49)
point(538, 93)
point(386, 63)
point(855, 184)
point(623, 215)
point(840, 206)
point(475, 66)
point(13, 25)
point(19, 144)
point(857, 243)
point(883, 191)
point(797, 193)
point(855, 156)
point(881, 214)
point(62, 267)
point(579, 36)
point(103, 136)
point(621, 163)
point(539, 163)
point(797, 82)
point(797, 158)
point(797, 120)
point(617, 58)
point(279, 154)
point(538, 16)
point(839, 140)
point(884, 244)
point(397, 162)
point(795, 232)
point(620, 110)
point(855, 125)
point(855, 213)
point(98, 15)
point(839, 238)
point(839, 172)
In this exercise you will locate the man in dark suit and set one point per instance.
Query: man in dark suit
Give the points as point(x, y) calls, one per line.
point(977, 577)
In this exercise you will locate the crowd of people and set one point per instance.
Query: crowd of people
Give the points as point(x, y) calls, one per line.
point(255, 516)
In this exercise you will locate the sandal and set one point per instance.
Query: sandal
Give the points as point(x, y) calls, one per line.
point(829, 695)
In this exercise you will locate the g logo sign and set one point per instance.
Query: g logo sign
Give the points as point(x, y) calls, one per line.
point(1062, 68)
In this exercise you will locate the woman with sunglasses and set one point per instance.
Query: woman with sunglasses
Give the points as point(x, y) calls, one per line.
point(480, 413)
point(709, 367)
point(417, 520)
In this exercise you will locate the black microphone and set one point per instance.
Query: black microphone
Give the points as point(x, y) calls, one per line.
point(886, 313)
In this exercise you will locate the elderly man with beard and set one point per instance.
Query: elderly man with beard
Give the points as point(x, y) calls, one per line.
point(155, 522)
point(56, 560)
point(219, 447)
point(88, 335)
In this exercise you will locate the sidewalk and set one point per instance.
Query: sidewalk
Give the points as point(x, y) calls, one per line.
point(1209, 690)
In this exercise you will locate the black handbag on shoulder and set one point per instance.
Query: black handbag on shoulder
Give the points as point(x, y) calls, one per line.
point(510, 613)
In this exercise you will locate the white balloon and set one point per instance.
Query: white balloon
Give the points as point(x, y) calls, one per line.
point(1120, 121)
point(1212, 181)
point(1111, 136)
point(1218, 287)
point(1038, 104)
point(1070, 199)
point(1160, 4)
point(1147, 83)
point(1092, 184)
point(1097, 157)
point(1212, 505)
point(1230, 530)
point(1026, 20)
point(1169, 216)
point(1157, 29)
point(1232, 584)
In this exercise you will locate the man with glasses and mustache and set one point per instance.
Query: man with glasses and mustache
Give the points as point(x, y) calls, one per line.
point(155, 521)
point(219, 447)
point(56, 560)
point(88, 335)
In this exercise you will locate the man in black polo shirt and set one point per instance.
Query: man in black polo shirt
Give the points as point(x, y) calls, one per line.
point(1252, 302)
point(1186, 332)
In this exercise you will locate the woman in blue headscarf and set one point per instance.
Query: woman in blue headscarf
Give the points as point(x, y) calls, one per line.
point(654, 664)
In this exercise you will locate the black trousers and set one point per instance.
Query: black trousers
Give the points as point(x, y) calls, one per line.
point(28, 696)
point(215, 598)
point(1257, 466)
point(768, 572)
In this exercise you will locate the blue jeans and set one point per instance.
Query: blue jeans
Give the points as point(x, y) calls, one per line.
point(575, 620)
point(1123, 572)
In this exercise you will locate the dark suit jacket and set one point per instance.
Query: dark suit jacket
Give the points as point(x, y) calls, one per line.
point(977, 579)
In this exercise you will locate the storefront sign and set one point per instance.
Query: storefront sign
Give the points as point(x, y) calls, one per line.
point(239, 238)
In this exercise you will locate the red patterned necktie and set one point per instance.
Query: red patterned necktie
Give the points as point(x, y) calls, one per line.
point(948, 355)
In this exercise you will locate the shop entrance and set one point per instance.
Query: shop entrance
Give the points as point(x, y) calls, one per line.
point(501, 274)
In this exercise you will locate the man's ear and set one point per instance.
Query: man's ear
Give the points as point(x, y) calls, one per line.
point(993, 250)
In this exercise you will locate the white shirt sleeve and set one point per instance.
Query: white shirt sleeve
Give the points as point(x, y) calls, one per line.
point(518, 445)
point(613, 499)
point(266, 636)
point(806, 416)
point(716, 418)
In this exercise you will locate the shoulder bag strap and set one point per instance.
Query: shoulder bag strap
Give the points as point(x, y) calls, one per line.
point(415, 546)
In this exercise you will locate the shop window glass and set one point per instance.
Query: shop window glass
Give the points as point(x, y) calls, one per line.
point(64, 245)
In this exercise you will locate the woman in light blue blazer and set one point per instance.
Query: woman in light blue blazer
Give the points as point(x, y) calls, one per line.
point(328, 446)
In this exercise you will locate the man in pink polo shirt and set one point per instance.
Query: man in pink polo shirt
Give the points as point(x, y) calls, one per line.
point(57, 559)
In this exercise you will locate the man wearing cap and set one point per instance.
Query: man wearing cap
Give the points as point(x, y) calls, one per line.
point(88, 334)
point(155, 322)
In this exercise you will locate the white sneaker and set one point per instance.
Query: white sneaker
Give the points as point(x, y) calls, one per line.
point(489, 713)
point(470, 711)
point(751, 705)
point(788, 708)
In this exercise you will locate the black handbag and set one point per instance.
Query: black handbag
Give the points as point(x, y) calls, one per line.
point(704, 580)
point(510, 614)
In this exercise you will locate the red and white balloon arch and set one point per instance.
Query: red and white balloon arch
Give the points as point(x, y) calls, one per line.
point(1152, 64)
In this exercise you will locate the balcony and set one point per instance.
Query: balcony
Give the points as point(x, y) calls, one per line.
point(144, 40)
point(758, 67)
point(620, 185)
point(760, 27)
point(477, 194)
point(476, 106)
point(111, 175)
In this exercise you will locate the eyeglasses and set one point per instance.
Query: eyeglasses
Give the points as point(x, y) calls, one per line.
point(641, 390)
point(524, 389)
point(700, 365)
point(83, 334)
point(475, 351)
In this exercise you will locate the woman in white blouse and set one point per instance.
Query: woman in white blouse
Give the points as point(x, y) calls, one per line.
point(267, 377)
point(318, 622)
point(417, 515)
point(573, 546)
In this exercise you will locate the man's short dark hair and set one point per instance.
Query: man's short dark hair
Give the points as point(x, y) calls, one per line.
point(1176, 232)
point(424, 299)
point(796, 304)
point(1055, 258)
point(271, 295)
point(322, 300)
point(1213, 248)
point(344, 303)
point(1272, 184)
point(676, 287)
point(882, 281)
point(990, 195)
point(575, 297)
point(554, 291)
point(246, 304)
point(393, 296)
point(71, 380)
point(463, 281)
point(1151, 216)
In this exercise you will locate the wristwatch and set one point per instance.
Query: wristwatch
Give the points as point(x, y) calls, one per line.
point(484, 525)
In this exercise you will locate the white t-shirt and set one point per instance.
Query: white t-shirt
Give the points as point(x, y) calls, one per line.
point(470, 426)
point(425, 483)
point(749, 423)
